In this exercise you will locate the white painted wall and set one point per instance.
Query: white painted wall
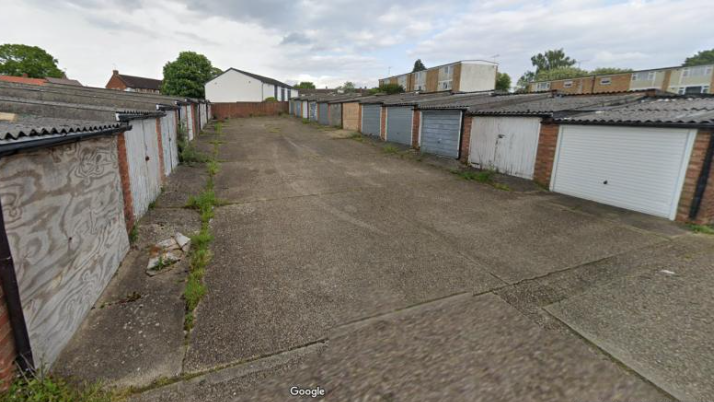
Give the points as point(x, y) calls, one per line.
point(233, 86)
point(477, 76)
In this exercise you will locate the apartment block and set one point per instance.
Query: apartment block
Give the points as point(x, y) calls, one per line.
point(679, 80)
point(464, 76)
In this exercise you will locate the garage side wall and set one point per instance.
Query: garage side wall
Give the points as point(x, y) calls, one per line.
point(545, 157)
point(694, 171)
point(416, 124)
point(64, 219)
point(465, 139)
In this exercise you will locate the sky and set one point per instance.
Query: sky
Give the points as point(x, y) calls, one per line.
point(329, 42)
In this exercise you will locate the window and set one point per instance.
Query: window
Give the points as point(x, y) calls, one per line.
point(605, 81)
point(542, 86)
point(402, 80)
point(700, 71)
point(644, 76)
point(446, 75)
point(695, 89)
point(567, 84)
point(420, 81)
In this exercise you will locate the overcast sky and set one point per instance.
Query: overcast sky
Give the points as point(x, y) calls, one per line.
point(333, 41)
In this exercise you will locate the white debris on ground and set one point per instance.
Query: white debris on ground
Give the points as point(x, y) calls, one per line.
point(167, 252)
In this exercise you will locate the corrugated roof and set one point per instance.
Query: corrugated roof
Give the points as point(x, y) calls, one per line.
point(479, 101)
point(27, 127)
point(552, 105)
point(63, 81)
point(684, 111)
point(406, 98)
point(140, 82)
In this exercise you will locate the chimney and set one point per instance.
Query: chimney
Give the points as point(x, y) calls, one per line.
point(115, 72)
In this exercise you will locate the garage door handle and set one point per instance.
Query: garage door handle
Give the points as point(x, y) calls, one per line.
point(501, 135)
point(605, 182)
point(147, 158)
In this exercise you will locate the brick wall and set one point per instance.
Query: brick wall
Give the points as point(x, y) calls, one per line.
point(161, 151)
point(619, 82)
point(125, 182)
point(359, 119)
point(545, 156)
point(694, 170)
point(116, 83)
point(383, 126)
point(7, 345)
point(465, 139)
point(416, 121)
point(247, 109)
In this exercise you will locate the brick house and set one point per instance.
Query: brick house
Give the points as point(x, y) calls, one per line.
point(130, 83)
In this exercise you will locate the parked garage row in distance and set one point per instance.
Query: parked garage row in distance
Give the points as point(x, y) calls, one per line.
point(647, 151)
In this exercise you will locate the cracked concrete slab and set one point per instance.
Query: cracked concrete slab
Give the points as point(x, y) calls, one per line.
point(657, 320)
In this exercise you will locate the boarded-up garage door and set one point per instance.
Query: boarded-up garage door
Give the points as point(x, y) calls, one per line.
point(336, 115)
point(371, 119)
point(399, 125)
point(322, 116)
point(350, 116)
point(505, 144)
point(441, 132)
point(313, 111)
point(641, 169)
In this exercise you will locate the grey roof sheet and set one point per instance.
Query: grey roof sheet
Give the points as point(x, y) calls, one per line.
point(656, 111)
point(27, 127)
point(407, 98)
point(64, 81)
point(551, 105)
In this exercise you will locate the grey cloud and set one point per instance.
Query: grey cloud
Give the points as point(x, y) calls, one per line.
point(296, 38)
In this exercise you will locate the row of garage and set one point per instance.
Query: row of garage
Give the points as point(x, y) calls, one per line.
point(643, 151)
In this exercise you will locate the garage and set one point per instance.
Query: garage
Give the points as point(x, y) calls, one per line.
point(637, 168)
point(335, 115)
point(350, 116)
point(313, 111)
point(298, 106)
point(304, 108)
point(371, 120)
point(399, 125)
point(441, 132)
point(322, 115)
point(507, 145)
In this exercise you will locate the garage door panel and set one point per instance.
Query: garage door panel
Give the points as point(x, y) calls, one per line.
point(507, 145)
point(322, 115)
point(371, 120)
point(634, 168)
point(441, 132)
point(399, 125)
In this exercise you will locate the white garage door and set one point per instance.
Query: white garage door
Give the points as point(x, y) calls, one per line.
point(636, 168)
point(505, 144)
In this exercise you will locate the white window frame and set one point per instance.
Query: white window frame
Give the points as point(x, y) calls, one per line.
point(651, 75)
point(447, 83)
point(605, 81)
point(568, 84)
point(542, 86)
point(706, 70)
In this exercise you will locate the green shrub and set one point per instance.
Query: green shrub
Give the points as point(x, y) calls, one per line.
point(45, 388)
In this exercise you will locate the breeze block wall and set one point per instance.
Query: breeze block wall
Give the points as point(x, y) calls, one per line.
point(232, 110)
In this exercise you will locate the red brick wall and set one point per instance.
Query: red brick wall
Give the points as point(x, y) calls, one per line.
point(247, 109)
point(116, 83)
point(161, 150)
point(415, 129)
point(465, 138)
point(546, 153)
point(359, 119)
point(7, 345)
point(383, 130)
point(694, 170)
point(125, 182)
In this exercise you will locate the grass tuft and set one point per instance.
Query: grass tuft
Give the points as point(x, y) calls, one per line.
point(41, 387)
point(134, 234)
point(705, 229)
point(390, 149)
point(483, 176)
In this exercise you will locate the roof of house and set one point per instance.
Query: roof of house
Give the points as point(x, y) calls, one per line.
point(140, 82)
point(405, 98)
point(435, 100)
point(261, 78)
point(557, 103)
point(681, 111)
point(63, 81)
point(622, 72)
point(23, 80)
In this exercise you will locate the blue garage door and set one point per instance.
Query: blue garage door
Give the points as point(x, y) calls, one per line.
point(371, 122)
point(322, 116)
point(313, 111)
point(441, 132)
point(399, 125)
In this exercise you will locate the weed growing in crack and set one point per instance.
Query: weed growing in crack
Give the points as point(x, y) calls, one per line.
point(134, 234)
point(705, 229)
point(41, 386)
point(390, 149)
point(484, 176)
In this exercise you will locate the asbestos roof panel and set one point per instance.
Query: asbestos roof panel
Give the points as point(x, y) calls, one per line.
point(696, 111)
point(478, 102)
point(27, 127)
point(132, 81)
point(551, 105)
point(406, 98)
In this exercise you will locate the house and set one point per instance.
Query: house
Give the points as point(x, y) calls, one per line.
point(63, 81)
point(130, 83)
point(463, 76)
point(235, 85)
point(679, 80)
point(23, 80)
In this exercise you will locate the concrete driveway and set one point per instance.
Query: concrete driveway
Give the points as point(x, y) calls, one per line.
point(383, 276)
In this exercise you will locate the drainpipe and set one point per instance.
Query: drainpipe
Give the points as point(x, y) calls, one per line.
point(703, 179)
point(14, 305)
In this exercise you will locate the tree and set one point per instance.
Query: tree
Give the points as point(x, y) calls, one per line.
point(526, 78)
point(215, 72)
point(702, 57)
point(305, 85)
point(503, 82)
point(560, 74)
point(551, 59)
point(347, 87)
point(609, 70)
point(187, 75)
point(418, 66)
point(387, 89)
point(31, 60)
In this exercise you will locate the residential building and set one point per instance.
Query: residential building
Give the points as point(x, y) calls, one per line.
point(460, 76)
point(679, 80)
point(130, 83)
point(235, 85)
